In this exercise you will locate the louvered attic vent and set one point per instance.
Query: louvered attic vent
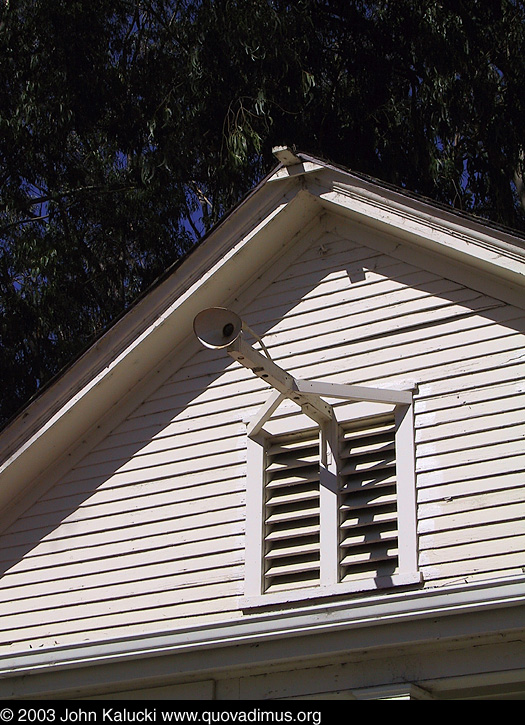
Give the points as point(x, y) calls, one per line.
point(368, 500)
point(367, 504)
point(292, 513)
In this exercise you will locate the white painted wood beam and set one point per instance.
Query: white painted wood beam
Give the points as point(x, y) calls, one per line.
point(265, 412)
point(353, 392)
point(312, 405)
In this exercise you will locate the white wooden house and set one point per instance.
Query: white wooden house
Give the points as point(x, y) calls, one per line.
point(175, 527)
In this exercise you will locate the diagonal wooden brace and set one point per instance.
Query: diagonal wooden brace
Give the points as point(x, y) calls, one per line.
point(311, 404)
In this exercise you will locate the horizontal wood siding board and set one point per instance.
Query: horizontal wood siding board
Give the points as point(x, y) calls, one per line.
point(132, 522)
point(157, 608)
point(221, 478)
point(461, 359)
point(470, 502)
point(432, 345)
point(483, 564)
point(456, 490)
point(219, 469)
point(376, 295)
point(485, 511)
point(93, 554)
point(464, 457)
point(180, 433)
point(152, 438)
point(484, 433)
point(183, 437)
point(374, 365)
point(505, 387)
point(109, 490)
point(355, 314)
point(184, 443)
point(221, 394)
point(304, 284)
point(429, 544)
point(159, 466)
point(509, 371)
point(467, 471)
point(369, 324)
point(85, 568)
point(31, 639)
point(159, 492)
point(305, 278)
point(385, 334)
point(369, 295)
point(471, 418)
point(208, 570)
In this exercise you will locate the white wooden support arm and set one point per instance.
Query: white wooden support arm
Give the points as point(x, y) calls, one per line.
point(353, 392)
point(311, 404)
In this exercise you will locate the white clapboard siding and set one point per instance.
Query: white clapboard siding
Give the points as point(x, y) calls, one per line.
point(504, 481)
point(96, 532)
point(380, 294)
point(91, 552)
point(366, 319)
point(431, 543)
point(116, 514)
point(146, 532)
point(313, 278)
point(503, 429)
point(513, 543)
point(34, 638)
point(480, 431)
point(467, 417)
point(476, 568)
point(490, 507)
point(498, 369)
point(162, 461)
point(435, 347)
point(219, 568)
point(503, 387)
point(378, 337)
point(366, 359)
point(372, 291)
point(197, 485)
point(466, 471)
point(504, 348)
point(177, 602)
point(217, 470)
point(207, 442)
point(183, 552)
point(94, 509)
point(185, 606)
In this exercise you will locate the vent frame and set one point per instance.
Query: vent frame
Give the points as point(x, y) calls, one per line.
point(334, 580)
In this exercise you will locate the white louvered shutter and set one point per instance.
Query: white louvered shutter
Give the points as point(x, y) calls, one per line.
point(292, 513)
point(368, 501)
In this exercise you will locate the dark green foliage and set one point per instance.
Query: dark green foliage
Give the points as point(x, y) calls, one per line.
point(127, 127)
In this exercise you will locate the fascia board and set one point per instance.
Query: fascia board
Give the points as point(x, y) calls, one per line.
point(374, 622)
point(490, 250)
point(149, 333)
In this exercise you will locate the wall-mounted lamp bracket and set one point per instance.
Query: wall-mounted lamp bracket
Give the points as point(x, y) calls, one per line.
point(219, 328)
point(312, 405)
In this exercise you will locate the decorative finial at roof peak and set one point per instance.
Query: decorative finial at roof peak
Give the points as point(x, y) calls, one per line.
point(286, 155)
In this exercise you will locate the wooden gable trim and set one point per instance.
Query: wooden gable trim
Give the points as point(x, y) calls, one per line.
point(494, 253)
point(150, 334)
